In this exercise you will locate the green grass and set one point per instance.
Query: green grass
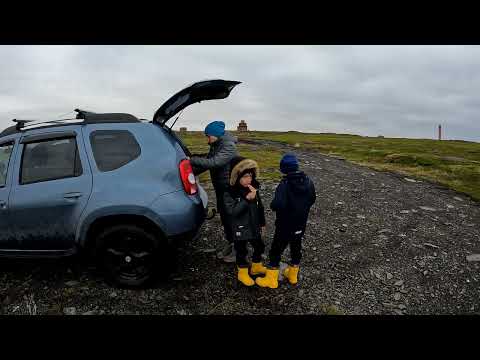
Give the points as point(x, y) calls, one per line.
point(455, 164)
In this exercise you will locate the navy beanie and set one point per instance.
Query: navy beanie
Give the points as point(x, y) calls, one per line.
point(289, 163)
point(215, 128)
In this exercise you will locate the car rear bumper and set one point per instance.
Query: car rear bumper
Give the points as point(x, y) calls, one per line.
point(193, 232)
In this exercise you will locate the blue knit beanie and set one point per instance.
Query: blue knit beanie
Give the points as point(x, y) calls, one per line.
point(289, 163)
point(215, 128)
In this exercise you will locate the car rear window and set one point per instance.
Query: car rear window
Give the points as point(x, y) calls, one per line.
point(113, 149)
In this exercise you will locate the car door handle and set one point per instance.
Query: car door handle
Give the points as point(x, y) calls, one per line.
point(72, 195)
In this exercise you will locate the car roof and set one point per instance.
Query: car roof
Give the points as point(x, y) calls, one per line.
point(83, 118)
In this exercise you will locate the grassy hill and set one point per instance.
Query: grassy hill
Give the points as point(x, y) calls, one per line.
point(455, 164)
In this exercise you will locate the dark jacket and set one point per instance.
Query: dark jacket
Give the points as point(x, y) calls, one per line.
point(292, 201)
point(217, 160)
point(245, 217)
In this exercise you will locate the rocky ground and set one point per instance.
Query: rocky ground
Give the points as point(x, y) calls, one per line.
point(376, 243)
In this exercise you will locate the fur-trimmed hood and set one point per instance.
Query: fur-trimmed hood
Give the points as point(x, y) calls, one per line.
point(240, 166)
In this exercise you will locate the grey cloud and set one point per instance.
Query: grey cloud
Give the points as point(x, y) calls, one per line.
point(398, 91)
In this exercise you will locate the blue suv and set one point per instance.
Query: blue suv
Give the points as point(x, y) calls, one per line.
point(111, 185)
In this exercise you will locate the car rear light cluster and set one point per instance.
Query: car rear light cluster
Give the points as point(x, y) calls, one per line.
point(188, 178)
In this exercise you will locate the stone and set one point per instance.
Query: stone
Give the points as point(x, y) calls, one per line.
point(71, 283)
point(70, 311)
point(398, 283)
point(336, 246)
point(458, 198)
point(473, 257)
point(113, 295)
point(207, 251)
point(360, 217)
point(397, 296)
point(450, 206)
point(389, 276)
point(91, 312)
point(405, 212)
point(402, 307)
point(410, 180)
point(427, 208)
point(431, 245)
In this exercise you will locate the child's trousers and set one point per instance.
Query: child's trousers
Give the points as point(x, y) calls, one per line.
point(279, 244)
point(242, 251)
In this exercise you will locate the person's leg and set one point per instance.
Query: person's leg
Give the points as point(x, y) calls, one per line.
point(276, 250)
point(258, 250)
point(241, 252)
point(227, 253)
point(223, 216)
point(296, 250)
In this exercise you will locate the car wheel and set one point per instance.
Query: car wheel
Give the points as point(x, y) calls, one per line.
point(129, 255)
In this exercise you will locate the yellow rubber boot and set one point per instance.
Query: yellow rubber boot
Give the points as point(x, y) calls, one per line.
point(257, 268)
point(244, 278)
point(270, 280)
point(291, 273)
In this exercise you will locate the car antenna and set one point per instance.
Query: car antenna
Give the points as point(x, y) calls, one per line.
point(170, 129)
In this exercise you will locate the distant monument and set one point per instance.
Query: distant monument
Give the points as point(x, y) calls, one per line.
point(242, 126)
point(183, 130)
point(439, 132)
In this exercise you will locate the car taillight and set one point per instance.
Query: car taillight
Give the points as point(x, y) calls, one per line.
point(188, 178)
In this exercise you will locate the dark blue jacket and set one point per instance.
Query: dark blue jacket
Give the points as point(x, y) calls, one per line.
point(292, 201)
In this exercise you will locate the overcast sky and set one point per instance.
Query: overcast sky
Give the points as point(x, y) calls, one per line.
point(395, 91)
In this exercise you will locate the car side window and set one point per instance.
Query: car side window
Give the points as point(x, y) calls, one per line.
point(50, 160)
point(5, 154)
point(113, 149)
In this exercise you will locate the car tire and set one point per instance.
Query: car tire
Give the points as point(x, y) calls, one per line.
point(129, 255)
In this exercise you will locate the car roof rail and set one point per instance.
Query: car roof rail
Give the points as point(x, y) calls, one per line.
point(82, 114)
point(82, 117)
point(21, 123)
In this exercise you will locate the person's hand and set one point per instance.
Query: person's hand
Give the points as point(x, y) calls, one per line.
point(252, 194)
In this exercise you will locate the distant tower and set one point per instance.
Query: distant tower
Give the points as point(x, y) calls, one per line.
point(242, 126)
point(183, 130)
point(439, 132)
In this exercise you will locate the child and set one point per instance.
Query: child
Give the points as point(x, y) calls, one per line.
point(246, 214)
point(293, 198)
